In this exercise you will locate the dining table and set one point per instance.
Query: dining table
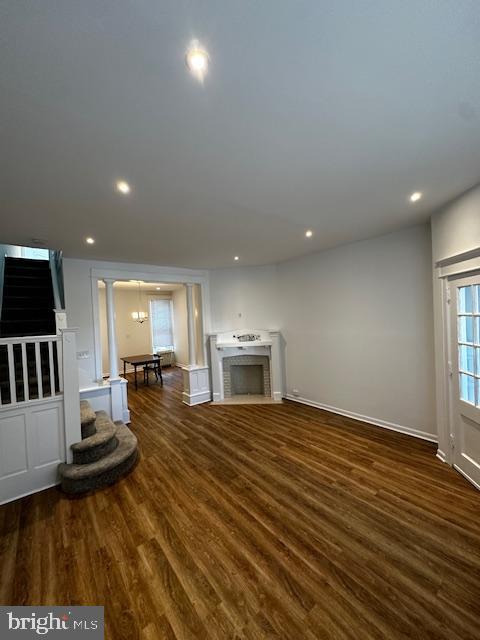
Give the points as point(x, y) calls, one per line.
point(142, 360)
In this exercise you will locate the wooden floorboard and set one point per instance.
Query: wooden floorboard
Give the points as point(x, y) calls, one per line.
point(253, 522)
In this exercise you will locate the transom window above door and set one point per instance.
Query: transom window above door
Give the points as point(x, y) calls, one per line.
point(468, 323)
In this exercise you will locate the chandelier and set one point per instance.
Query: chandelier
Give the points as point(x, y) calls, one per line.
point(139, 316)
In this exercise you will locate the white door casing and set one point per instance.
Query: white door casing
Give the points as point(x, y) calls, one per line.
point(465, 371)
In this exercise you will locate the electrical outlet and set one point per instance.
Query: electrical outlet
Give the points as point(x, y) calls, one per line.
point(83, 355)
point(295, 392)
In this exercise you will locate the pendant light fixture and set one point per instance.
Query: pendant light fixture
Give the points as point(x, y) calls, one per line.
point(139, 315)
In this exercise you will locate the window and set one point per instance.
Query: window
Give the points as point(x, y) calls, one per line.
point(161, 324)
point(468, 322)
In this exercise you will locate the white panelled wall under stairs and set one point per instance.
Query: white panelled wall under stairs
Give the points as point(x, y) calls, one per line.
point(39, 411)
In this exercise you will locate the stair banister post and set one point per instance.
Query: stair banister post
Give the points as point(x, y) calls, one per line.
point(71, 391)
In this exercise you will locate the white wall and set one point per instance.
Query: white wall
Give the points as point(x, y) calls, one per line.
point(357, 321)
point(244, 298)
point(456, 227)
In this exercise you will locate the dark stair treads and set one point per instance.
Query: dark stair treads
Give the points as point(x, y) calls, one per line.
point(99, 444)
point(28, 300)
point(80, 478)
point(87, 419)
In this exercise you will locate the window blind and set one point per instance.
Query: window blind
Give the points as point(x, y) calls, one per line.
point(161, 324)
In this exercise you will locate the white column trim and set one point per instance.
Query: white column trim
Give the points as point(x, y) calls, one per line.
point(112, 338)
point(192, 350)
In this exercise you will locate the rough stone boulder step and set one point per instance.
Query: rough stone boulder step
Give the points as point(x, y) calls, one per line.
point(87, 419)
point(98, 445)
point(80, 478)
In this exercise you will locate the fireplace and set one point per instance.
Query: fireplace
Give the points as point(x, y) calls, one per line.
point(246, 375)
point(246, 366)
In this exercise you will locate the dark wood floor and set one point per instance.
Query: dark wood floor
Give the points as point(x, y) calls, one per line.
point(257, 522)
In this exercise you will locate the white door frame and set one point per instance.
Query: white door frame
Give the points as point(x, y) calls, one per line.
point(464, 464)
point(460, 265)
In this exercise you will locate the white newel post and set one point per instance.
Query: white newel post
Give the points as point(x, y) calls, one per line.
point(60, 320)
point(116, 383)
point(196, 381)
point(71, 391)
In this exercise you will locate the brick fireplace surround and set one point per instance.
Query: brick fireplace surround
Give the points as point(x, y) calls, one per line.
point(247, 360)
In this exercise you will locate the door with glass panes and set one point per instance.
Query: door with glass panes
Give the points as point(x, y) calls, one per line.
point(465, 309)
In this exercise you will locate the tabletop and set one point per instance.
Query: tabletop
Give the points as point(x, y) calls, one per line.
point(141, 359)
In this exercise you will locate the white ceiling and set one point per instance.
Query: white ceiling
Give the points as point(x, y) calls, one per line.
point(315, 114)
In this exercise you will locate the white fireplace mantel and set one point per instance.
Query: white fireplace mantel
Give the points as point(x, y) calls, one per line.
point(233, 343)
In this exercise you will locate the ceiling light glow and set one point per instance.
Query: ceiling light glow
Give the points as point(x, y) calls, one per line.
point(123, 187)
point(236, 258)
point(197, 60)
point(89, 240)
point(309, 233)
point(416, 195)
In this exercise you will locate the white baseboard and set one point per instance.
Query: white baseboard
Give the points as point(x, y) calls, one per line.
point(409, 431)
point(196, 398)
point(465, 475)
point(441, 456)
point(29, 493)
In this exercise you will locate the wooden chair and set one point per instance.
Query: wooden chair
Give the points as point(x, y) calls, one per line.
point(156, 367)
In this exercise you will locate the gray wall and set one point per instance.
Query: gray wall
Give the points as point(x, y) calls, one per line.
point(357, 321)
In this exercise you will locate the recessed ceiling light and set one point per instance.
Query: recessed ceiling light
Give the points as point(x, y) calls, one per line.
point(123, 187)
point(197, 60)
point(416, 195)
point(236, 258)
point(157, 288)
point(309, 233)
point(89, 240)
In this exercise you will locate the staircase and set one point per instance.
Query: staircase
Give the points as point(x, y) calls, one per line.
point(28, 300)
point(106, 452)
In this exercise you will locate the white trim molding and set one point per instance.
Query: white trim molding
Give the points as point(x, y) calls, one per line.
point(409, 431)
point(196, 385)
point(441, 456)
point(445, 270)
point(465, 475)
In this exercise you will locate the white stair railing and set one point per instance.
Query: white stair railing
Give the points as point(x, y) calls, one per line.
point(39, 370)
point(30, 369)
